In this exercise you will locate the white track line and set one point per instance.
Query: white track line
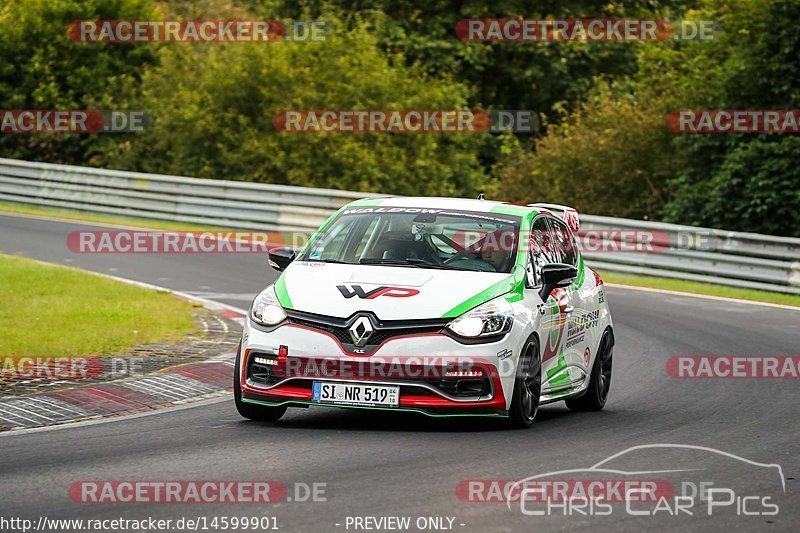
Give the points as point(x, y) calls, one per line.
point(705, 296)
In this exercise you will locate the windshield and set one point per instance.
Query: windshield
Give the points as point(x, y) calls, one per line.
point(419, 238)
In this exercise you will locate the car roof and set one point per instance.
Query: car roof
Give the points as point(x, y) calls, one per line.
point(486, 206)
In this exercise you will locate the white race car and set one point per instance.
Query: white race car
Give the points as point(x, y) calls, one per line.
point(443, 306)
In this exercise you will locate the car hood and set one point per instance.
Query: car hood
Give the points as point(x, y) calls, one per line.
point(392, 293)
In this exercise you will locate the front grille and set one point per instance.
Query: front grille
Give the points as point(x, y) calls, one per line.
point(341, 334)
point(384, 331)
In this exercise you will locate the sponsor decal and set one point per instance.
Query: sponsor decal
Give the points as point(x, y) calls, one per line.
point(556, 323)
point(578, 325)
point(572, 342)
point(393, 292)
point(489, 217)
point(504, 354)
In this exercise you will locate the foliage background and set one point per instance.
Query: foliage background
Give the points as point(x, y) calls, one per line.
point(604, 147)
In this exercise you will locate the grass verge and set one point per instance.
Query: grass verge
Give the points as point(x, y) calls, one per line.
point(50, 310)
point(697, 287)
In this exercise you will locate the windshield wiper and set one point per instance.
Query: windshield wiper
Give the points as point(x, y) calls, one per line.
point(336, 261)
point(408, 261)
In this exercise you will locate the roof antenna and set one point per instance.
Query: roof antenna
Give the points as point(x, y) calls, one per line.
point(481, 196)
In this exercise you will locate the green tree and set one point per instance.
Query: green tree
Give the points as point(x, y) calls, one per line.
point(614, 155)
point(212, 109)
point(747, 182)
point(533, 76)
point(41, 68)
point(611, 156)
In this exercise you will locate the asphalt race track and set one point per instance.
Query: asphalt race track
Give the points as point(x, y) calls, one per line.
point(378, 464)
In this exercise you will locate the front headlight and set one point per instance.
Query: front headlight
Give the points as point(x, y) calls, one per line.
point(266, 308)
point(495, 317)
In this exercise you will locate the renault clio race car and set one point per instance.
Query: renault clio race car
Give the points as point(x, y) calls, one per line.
point(442, 306)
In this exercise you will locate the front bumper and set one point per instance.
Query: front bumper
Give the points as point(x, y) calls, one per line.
point(437, 375)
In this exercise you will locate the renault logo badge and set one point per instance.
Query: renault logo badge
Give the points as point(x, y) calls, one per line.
point(361, 330)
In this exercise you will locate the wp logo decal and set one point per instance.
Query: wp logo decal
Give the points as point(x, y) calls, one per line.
point(358, 290)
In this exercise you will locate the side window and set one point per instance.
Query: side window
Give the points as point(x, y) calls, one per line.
point(539, 248)
point(564, 243)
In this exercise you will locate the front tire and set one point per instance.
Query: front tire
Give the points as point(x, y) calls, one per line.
point(594, 399)
point(527, 387)
point(260, 413)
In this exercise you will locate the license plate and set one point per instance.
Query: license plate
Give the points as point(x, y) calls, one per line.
point(356, 394)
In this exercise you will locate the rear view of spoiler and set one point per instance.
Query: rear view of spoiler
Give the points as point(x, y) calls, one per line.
point(565, 213)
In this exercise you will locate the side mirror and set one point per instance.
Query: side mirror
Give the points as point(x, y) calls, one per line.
point(280, 257)
point(556, 275)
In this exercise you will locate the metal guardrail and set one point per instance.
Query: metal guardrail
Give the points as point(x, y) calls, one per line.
point(737, 259)
point(229, 204)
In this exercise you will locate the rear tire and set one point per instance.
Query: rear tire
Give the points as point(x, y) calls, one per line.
point(527, 387)
point(260, 413)
point(594, 399)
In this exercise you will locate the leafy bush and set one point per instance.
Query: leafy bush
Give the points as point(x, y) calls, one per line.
point(213, 106)
point(754, 189)
point(41, 68)
point(612, 156)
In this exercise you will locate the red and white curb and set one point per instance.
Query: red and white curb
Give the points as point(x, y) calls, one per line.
point(170, 387)
point(175, 386)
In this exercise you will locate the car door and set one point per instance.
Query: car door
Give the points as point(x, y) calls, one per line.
point(581, 312)
point(551, 317)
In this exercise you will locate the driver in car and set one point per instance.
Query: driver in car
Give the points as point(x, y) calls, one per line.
point(496, 249)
